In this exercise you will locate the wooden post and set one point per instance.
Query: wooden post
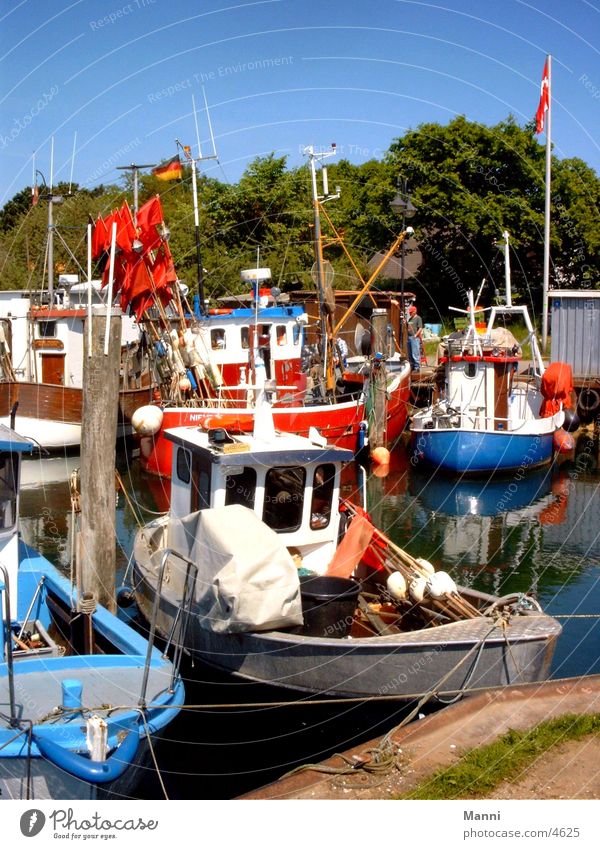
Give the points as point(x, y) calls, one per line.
point(97, 547)
point(379, 325)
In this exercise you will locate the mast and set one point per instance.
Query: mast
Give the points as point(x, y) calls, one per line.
point(187, 152)
point(135, 169)
point(546, 284)
point(326, 340)
point(505, 236)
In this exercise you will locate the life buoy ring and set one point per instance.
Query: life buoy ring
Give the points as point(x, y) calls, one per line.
point(588, 401)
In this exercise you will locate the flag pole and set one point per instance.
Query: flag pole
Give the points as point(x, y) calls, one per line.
point(547, 210)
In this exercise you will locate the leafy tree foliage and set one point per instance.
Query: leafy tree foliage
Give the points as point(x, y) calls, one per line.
point(468, 182)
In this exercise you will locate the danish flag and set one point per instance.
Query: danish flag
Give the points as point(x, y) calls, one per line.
point(544, 104)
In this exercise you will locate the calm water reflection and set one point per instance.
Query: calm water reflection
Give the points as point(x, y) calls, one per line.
point(539, 533)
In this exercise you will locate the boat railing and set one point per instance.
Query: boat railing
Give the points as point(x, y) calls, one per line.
point(484, 345)
point(8, 649)
point(180, 622)
point(472, 418)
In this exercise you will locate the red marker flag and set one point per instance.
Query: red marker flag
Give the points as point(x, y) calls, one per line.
point(544, 104)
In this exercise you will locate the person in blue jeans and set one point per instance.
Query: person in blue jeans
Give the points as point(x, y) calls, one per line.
point(415, 333)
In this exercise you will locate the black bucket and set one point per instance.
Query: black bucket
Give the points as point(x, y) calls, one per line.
point(328, 605)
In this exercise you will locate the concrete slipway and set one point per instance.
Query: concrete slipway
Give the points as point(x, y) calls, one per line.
point(441, 738)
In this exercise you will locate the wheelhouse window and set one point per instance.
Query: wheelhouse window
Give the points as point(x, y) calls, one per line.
point(46, 329)
point(184, 470)
point(284, 498)
point(240, 488)
point(281, 334)
point(322, 496)
point(201, 469)
point(470, 369)
point(297, 333)
point(217, 338)
point(8, 491)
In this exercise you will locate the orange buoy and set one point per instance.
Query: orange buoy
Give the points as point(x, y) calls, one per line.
point(381, 456)
point(563, 442)
point(381, 471)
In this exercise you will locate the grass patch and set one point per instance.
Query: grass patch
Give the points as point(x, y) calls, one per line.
point(481, 770)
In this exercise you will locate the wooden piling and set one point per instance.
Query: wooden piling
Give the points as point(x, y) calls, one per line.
point(97, 549)
point(380, 344)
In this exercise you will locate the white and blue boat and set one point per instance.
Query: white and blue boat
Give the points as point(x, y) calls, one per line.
point(487, 417)
point(83, 696)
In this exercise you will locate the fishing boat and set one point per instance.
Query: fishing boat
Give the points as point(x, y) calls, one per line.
point(83, 696)
point(233, 354)
point(488, 417)
point(224, 359)
point(280, 582)
point(41, 364)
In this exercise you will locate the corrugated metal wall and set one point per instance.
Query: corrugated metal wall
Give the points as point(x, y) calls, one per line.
point(575, 331)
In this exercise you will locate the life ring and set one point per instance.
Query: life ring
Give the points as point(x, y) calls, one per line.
point(588, 401)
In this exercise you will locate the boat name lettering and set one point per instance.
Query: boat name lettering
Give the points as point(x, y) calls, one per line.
point(64, 818)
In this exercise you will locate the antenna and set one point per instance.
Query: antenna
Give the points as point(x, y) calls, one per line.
point(197, 131)
point(51, 164)
point(72, 161)
point(212, 137)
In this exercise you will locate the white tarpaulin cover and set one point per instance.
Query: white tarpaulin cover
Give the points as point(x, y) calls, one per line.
point(247, 580)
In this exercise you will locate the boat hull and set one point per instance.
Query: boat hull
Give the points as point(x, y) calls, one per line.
point(51, 414)
point(396, 665)
point(341, 424)
point(41, 779)
point(477, 452)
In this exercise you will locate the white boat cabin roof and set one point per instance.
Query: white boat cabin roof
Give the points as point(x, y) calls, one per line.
point(221, 447)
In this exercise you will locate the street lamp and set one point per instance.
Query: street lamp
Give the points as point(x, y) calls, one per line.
point(401, 205)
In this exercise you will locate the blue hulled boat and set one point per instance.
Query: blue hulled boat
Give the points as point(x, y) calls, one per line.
point(487, 417)
point(82, 695)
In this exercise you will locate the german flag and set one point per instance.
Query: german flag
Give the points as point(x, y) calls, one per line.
point(170, 170)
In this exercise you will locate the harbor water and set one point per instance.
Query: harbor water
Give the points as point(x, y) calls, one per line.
point(533, 532)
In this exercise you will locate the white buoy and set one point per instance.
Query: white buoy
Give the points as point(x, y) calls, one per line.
point(396, 585)
point(440, 584)
point(426, 567)
point(417, 589)
point(146, 421)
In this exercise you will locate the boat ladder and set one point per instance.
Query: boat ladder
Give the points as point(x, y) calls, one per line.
point(179, 627)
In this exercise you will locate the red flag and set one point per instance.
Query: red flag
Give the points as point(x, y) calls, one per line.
point(126, 231)
point(100, 238)
point(544, 104)
point(163, 270)
point(149, 215)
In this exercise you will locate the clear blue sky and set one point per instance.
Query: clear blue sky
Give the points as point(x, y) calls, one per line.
point(280, 74)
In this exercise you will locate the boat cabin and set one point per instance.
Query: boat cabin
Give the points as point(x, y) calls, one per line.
point(482, 389)
point(44, 343)
point(251, 340)
point(290, 482)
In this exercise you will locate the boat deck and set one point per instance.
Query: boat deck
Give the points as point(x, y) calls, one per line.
point(105, 685)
